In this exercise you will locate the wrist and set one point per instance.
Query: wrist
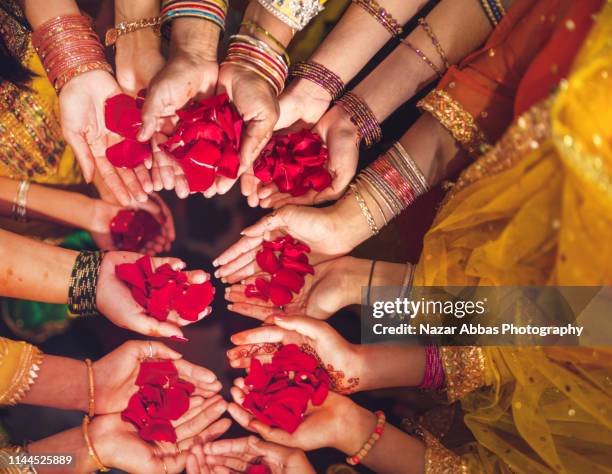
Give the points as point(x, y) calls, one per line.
point(354, 229)
point(101, 430)
point(354, 274)
point(361, 422)
point(132, 44)
point(194, 39)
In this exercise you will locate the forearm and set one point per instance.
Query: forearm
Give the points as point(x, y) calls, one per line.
point(257, 14)
point(38, 12)
point(394, 452)
point(407, 370)
point(195, 37)
point(460, 27)
point(68, 443)
point(45, 203)
point(34, 271)
point(142, 39)
point(61, 383)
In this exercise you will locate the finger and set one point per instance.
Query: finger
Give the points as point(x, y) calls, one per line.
point(275, 435)
point(235, 294)
point(227, 447)
point(239, 414)
point(245, 362)
point(248, 351)
point(133, 184)
point(304, 325)
point(200, 422)
point(253, 200)
point(252, 311)
point(176, 263)
point(243, 245)
point(268, 223)
point(175, 464)
point(211, 191)
point(151, 327)
point(248, 270)
point(216, 430)
point(83, 154)
point(224, 184)
point(155, 350)
point(197, 276)
point(222, 470)
point(144, 178)
point(193, 464)
point(195, 406)
point(108, 174)
point(175, 318)
point(234, 463)
point(257, 134)
point(259, 335)
point(248, 183)
point(267, 190)
point(237, 263)
point(197, 373)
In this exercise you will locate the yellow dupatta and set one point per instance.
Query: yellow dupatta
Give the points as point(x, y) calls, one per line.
point(536, 210)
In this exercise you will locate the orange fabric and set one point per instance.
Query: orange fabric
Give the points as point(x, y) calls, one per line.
point(518, 57)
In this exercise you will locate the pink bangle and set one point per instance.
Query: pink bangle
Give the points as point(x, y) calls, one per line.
point(382, 16)
point(362, 117)
point(320, 75)
point(434, 372)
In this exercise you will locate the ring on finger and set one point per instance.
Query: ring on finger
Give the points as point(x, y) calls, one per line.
point(150, 350)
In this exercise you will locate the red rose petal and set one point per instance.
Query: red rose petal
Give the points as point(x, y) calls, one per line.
point(292, 280)
point(155, 372)
point(160, 301)
point(132, 274)
point(193, 300)
point(266, 260)
point(299, 265)
point(229, 163)
point(122, 116)
point(258, 469)
point(128, 153)
point(280, 295)
point(257, 378)
point(317, 179)
point(158, 430)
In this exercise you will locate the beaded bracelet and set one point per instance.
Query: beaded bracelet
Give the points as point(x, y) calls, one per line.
point(433, 379)
point(83, 284)
point(126, 27)
point(434, 39)
point(421, 54)
point(362, 117)
point(320, 75)
point(213, 11)
point(494, 10)
point(90, 449)
point(68, 46)
point(257, 56)
point(369, 444)
point(382, 16)
point(365, 210)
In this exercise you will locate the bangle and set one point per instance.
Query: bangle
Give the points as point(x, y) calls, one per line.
point(382, 16)
point(494, 10)
point(369, 444)
point(83, 284)
point(320, 75)
point(434, 372)
point(257, 56)
point(364, 209)
point(68, 46)
point(295, 14)
point(213, 11)
point(90, 448)
point(362, 117)
point(121, 29)
point(91, 388)
point(252, 26)
point(419, 52)
point(20, 208)
point(434, 39)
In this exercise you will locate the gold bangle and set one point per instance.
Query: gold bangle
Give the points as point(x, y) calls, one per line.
point(113, 34)
point(90, 448)
point(254, 26)
point(92, 392)
point(20, 203)
point(364, 209)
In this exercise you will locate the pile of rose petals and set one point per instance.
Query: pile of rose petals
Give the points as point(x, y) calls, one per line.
point(279, 392)
point(122, 115)
point(165, 289)
point(286, 261)
point(295, 162)
point(162, 396)
point(258, 469)
point(131, 230)
point(206, 141)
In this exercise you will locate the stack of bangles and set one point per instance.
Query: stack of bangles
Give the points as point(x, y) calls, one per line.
point(259, 57)
point(320, 75)
point(213, 11)
point(362, 117)
point(68, 46)
point(438, 47)
point(382, 16)
point(83, 284)
point(494, 10)
point(369, 444)
point(434, 372)
point(394, 181)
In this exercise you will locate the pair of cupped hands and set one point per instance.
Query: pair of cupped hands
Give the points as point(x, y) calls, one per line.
point(173, 83)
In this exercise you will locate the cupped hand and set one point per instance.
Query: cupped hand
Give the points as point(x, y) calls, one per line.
point(323, 426)
point(82, 101)
point(339, 357)
point(103, 213)
point(322, 295)
point(114, 299)
point(116, 372)
point(258, 106)
point(320, 229)
point(229, 456)
point(342, 140)
point(118, 444)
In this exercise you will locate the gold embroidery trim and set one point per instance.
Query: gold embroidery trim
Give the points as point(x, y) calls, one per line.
point(458, 121)
point(464, 369)
point(440, 460)
point(29, 358)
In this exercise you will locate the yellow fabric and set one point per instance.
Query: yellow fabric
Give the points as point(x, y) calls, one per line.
point(540, 215)
point(19, 362)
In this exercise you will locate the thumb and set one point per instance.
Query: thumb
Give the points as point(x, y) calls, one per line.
point(268, 223)
point(156, 350)
point(258, 133)
point(304, 325)
point(83, 155)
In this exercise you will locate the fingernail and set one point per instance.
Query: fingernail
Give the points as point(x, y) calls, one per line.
point(279, 317)
point(143, 198)
point(242, 233)
point(215, 263)
point(217, 274)
point(243, 282)
point(230, 307)
point(224, 280)
point(179, 338)
point(207, 311)
point(148, 188)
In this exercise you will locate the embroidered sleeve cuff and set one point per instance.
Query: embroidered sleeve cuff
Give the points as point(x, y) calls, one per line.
point(19, 365)
point(464, 369)
point(440, 460)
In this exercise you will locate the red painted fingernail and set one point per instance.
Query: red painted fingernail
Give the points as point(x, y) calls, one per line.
point(179, 338)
